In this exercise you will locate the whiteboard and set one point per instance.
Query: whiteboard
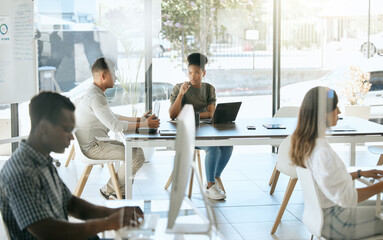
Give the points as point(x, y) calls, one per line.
point(18, 55)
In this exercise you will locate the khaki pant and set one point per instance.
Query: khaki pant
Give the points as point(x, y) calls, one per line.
point(115, 151)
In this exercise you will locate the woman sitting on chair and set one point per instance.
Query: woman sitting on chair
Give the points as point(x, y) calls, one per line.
point(202, 96)
point(343, 218)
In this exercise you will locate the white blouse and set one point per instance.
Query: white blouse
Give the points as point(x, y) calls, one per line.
point(333, 183)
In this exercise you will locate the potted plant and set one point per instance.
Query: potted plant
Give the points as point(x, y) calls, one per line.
point(355, 89)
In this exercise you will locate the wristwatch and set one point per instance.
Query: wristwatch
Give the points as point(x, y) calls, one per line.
point(359, 175)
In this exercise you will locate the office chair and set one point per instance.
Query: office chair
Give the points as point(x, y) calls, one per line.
point(285, 166)
point(196, 154)
point(88, 168)
point(288, 111)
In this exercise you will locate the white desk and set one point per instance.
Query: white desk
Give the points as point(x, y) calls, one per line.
point(161, 207)
point(229, 134)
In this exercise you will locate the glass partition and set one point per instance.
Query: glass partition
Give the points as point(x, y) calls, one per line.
point(322, 40)
point(236, 36)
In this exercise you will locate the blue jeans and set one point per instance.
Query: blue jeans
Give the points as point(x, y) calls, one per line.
point(216, 160)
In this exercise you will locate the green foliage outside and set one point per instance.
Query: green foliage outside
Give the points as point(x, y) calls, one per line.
point(192, 26)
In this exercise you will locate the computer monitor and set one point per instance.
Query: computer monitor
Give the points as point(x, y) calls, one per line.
point(183, 163)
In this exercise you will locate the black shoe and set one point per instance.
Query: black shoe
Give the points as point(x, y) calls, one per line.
point(114, 196)
point(104, 195)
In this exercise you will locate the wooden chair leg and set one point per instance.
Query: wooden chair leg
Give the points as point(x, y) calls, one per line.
point(275, 180)
point(197, 153)
point(272, 175)
point(380, 161)
point(169, 181)
point(113, 176)
point(70, 156)
point(73, 155)
point(82, 181)
point(191, 183)
point(199, 165)
point(286, 198)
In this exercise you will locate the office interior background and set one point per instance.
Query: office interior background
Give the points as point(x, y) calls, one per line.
point(318, 41)
point(149, 41)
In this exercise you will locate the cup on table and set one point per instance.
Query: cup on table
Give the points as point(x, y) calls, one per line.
point(196, 118)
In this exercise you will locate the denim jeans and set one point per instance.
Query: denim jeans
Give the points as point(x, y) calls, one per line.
point(216, 160)
point(351, 223)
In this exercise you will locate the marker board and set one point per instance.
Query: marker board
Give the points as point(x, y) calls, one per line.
point(18, 58)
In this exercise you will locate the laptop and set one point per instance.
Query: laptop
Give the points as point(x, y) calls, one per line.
point(224, 112)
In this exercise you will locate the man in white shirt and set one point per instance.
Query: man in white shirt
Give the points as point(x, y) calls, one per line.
point(95, 119)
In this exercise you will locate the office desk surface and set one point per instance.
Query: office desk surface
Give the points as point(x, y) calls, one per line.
point(239, 129)
point(230, 134)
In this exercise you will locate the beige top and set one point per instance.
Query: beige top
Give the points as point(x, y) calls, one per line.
point(94, 118)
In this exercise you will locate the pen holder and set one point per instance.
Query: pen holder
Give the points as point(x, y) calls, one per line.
point(196, 118)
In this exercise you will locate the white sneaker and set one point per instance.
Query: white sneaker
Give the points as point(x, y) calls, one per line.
point(218, 186)
point(215, 193)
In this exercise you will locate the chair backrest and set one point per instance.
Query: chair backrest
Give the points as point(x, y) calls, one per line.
point(79, 154)
point(313, 214)
point(284, 163)
point(288, 111)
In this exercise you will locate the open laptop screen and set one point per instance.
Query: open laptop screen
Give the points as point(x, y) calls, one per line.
point(225, 112)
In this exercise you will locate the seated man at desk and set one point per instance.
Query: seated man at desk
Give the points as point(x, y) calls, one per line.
point(202, 96)
point(95, 119)
point(34, 201)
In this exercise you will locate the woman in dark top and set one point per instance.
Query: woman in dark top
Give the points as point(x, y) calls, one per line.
point(202, 96)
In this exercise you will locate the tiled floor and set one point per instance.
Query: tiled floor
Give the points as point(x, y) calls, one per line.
point(249, 210)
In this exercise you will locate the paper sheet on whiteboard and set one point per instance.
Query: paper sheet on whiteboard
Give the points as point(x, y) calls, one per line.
point(5, 29)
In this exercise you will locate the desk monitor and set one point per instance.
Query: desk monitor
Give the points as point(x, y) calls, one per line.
point(183, 162)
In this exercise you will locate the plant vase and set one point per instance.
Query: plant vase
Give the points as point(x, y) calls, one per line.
point(360, 111)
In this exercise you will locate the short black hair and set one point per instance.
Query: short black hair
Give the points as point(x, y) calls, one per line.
point(102, 64)
point(197, 59)
point(48, 106)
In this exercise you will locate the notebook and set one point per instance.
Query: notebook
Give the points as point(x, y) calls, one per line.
point(224, 112)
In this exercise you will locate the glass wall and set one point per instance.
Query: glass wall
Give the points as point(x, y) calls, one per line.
point(236, 36)
point(322, 40)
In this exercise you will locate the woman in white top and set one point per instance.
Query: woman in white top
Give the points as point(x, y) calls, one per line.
point(343, 218)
